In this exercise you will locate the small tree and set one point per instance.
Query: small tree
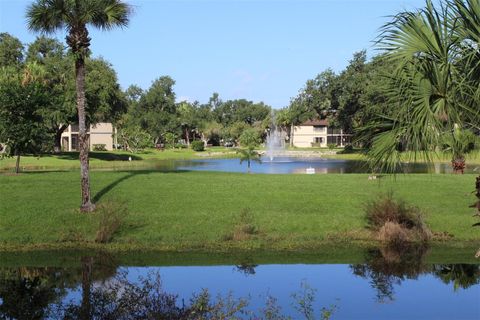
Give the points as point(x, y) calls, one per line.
point(134, 138)
point(170, 139)
point(249, 139)
point(459, 143)
point(249, 154)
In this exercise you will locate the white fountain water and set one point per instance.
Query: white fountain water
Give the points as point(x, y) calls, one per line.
point(275, 142)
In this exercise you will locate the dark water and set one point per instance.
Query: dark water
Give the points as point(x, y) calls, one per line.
point(381, 284)
point(299, 165)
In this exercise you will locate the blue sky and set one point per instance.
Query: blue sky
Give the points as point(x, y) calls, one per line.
point(261, 50)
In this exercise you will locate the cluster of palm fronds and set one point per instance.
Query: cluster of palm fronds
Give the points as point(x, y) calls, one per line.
point(435, 90)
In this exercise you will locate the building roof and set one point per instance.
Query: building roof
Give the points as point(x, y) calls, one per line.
point(315, 122)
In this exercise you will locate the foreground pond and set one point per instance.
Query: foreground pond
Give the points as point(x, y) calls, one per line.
point(385, 284)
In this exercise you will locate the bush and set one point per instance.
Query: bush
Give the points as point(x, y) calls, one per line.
point(100, 147)
point(111, 217)
point(348, 149)
point(197, 145)
point(180, 146)
point(245, 227)
point(395, 222)
point(331, 146)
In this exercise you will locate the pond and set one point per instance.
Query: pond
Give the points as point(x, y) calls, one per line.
point(375, 284)
point(286, 165)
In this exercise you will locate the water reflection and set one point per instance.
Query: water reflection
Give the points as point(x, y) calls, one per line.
point(35, 292)
point(389, 267)
point(97, 287)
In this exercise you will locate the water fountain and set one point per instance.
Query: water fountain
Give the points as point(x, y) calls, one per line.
point(275, 142)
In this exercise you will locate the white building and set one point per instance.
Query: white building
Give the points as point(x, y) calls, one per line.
point(317, 133)
point(102, 133)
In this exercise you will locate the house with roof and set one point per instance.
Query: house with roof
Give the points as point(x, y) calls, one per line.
point(318, 133)
point(100, 134)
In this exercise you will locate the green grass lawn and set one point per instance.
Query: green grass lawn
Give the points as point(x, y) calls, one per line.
point(199, 210)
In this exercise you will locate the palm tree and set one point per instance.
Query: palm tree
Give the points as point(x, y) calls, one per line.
point(432, 90)
point(48, 16)
point(249, 154)
point(436, 88)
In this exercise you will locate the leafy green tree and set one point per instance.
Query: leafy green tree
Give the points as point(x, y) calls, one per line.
point(11, 51)
point(249, 137)
point(353, 83)
point(156, 111)
point(22, 95)
point(74, 16)
point(60, 86)
point(134, 138)
point(210, 131)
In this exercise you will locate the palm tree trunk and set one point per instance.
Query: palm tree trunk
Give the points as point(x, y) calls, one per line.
point(187, 137)
point(17, 164)
point(291, 135)
point(83, 143)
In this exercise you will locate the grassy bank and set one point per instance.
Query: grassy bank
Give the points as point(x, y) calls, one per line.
point(112, 159)
point(221, 211)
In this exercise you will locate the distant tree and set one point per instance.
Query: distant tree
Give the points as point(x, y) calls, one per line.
point(156, 111)
point(249, 137)
point(22, 95)
point(210, 131)
point(106, 102)
point(353, 83)
point(74, 16)
point(60, 87)
point(11, 51)
point(134, 138)
point(186, 114)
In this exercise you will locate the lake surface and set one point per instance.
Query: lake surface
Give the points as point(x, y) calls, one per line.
point(285, 165)
point(382, 285)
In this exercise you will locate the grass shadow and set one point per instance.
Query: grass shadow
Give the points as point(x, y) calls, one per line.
point(104, 156)
point(130, 174)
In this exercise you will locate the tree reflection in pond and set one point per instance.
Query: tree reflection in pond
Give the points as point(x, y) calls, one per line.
point(388, 267)
point(95, 287)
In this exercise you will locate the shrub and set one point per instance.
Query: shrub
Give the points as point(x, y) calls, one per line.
point(331, 146)
point(348, 149)
point(245, 226)
point(197, 145)
point(180, 146)
point(100, 147)
point(111, 217)
point(395, 222)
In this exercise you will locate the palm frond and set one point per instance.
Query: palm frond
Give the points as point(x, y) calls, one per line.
point(108, 14)
point(46, 15)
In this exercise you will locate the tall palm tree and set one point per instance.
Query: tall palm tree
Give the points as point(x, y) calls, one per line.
point(48, 16)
